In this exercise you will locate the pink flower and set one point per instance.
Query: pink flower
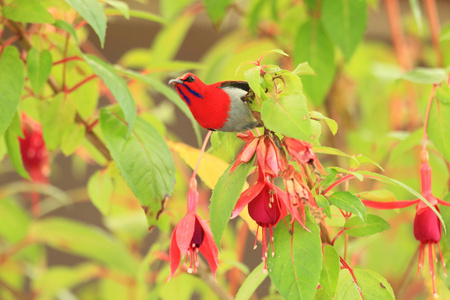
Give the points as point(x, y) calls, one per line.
point(35, 155)
point(427, 226)
point(192, 235)
point(302, 152)
point(297, 194)
point(271, 160)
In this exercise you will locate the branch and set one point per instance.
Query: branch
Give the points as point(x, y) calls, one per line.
point(90, 135)
point(208, 278)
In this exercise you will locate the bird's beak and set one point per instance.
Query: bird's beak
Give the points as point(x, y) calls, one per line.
point(175, 81)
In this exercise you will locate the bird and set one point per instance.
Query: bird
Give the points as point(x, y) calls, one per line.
point(218, 106)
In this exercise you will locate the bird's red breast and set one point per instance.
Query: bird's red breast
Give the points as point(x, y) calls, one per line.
point(216, 106)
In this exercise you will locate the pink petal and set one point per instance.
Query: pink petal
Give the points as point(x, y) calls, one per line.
point(209, 248)
point(174, 253)
point(185, 232)
point(389, 205)
point(247, 196)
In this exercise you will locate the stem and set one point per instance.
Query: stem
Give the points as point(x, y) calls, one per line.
point(337, 182)
point(433, 19)
point(205, 142)
point(207, 278)
point(427, 115)
point(17, 294)
point(18, 30)
point(79, 84)
point(400, 48)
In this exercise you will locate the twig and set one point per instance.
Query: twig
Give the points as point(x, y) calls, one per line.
point(207, 277)
point(433, 18)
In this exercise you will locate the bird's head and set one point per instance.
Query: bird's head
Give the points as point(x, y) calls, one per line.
point(189, 86)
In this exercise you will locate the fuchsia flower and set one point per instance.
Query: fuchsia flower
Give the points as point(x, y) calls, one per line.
point(302, 152)
point(297, 195)
point(35, 155)
point(265, 207)
point(192, 235)
point(268, 204)
point(427, 226)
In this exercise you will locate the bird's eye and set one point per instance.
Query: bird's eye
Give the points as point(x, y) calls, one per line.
point(190, 78)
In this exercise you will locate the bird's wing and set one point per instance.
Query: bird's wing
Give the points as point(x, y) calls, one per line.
point(243, 85)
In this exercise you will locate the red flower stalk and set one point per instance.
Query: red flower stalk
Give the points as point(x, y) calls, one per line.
point(35, 155)
point(302, 152)
point(192, 235)
point(265, 207)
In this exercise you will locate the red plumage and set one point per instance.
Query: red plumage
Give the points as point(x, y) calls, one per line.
point(217, 106)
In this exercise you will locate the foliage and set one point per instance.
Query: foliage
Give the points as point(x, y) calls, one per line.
point(372, 120)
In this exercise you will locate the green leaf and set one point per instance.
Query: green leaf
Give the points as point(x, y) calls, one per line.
point(251, 283)
point(349, 202)
point(313, 45)
point(288, 116)
point(84, 240)
point(12, 76)
point(27, 11)
point(13, 146)
point(55, 280)
point(72, 137)
point(15, 220)
point(330, 270)
point(333, 151)
point(252, 76)
point(296, 266)
point(39, 68)
point(372, 285)
point(57, 115)
point(224, 198)
point(443, 94)
point(144, 160)
point(356, 174)
point(216, 9)
point(439, 128)
point(374, 224)
point(332, 124)
point(63, 25)
point(322, 202)
point(116, 85)
point(345, 22)
point(425, 75)
point(121, 6)
point(304, 69)
point(92, 12)
point(100, 190)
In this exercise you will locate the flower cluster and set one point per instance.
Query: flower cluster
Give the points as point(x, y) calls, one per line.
point(267, 204)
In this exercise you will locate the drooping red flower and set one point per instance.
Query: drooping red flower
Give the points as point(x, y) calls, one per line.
point(427, 226)
point(271, 160)
point(265, 207)
point(191, 235)
point(35, 155)
point(297, 195)
point(302, 152)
